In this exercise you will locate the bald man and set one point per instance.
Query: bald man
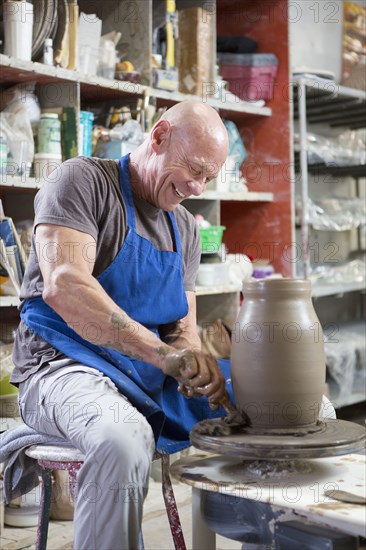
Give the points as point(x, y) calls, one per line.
point(107, 351)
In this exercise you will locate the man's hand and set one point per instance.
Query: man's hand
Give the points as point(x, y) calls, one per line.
point(197, 374)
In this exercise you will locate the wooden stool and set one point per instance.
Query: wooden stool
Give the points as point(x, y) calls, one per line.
point(59, 457)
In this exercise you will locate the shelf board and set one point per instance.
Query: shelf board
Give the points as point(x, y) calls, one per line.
point(97, 88)
point(15, 70)
point(32, 183)
point(329, 103)
point(9, 301)
point(239, 106)
point(19, 182)
point(319, 291)
point(220, 289)
point(251, 196)
point(355, 171)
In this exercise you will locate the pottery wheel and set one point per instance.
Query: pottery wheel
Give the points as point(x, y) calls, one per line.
point(337, 437)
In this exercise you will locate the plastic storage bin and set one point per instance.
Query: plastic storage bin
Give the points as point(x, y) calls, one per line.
point(250, 76)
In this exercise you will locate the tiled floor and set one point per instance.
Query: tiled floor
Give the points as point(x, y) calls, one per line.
point(155, 526)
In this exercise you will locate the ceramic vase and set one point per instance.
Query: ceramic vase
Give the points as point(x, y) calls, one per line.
point(278, 359)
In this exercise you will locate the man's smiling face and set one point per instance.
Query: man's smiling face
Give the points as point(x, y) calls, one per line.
point(185, 149)
point(184, 167)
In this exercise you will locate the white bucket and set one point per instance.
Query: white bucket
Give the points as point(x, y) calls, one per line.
point(18, 29)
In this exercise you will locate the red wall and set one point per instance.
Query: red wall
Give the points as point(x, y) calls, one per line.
point(263, 230)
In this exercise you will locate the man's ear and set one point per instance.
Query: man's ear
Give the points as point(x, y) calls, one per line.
point(160, 135)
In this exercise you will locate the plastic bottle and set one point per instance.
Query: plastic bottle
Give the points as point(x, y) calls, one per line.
point(48, 52)
point(3, 153)
point(49, 134)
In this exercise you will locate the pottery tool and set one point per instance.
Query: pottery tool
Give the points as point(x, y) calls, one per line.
point(345, 496)
point(234, 421)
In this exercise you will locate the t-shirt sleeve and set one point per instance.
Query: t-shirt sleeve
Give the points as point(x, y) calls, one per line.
point(71, 197)
point(193, 258)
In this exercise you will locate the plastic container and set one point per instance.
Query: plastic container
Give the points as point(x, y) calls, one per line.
point(211, 238)
point(213, 274)
point(48, 52)
point(23, 511)
point(3, 154)
point(86, 128)
point(250, 76)
point(107, 59)
point(262, 271)
point(18, 29)
point(45, 164)
point(49, 134)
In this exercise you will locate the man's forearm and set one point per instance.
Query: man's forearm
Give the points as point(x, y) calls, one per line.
point(180, 337)
point(88, 310)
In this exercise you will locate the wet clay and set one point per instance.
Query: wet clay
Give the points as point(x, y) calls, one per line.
point(277, 468)
point(240, 424)
point(234, 422)
point(278, 360)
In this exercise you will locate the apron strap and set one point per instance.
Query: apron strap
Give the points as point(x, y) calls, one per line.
point(125, 185)
point(177, 242)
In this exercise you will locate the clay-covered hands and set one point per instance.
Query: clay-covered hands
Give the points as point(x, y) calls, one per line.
point(197, 374)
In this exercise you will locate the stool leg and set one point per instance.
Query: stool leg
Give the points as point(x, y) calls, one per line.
point(202, 537)
point(171, 505)
point(44, 510)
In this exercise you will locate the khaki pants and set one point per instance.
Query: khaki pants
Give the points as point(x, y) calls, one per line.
point(82, 405)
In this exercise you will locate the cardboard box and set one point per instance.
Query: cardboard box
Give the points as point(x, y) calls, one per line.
point(196, 50)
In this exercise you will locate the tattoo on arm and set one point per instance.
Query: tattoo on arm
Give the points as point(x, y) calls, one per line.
point(119, 320)
point(163, 350)
point(118, 347)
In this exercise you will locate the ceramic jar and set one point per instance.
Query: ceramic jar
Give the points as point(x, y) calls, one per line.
point(278, 359)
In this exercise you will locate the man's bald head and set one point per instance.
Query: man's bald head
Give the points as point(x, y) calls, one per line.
point(195, 120)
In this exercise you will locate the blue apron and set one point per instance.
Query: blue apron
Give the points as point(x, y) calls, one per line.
point(148, 285)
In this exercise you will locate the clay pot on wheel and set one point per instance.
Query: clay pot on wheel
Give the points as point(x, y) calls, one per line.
point(278, 360)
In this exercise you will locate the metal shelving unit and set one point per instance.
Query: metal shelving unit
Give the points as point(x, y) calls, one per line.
point(322, 102)
point(317, 100)
point(325, 102)
point(346, 388)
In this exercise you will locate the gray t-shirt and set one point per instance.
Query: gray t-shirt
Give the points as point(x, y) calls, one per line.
point(86, 196)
